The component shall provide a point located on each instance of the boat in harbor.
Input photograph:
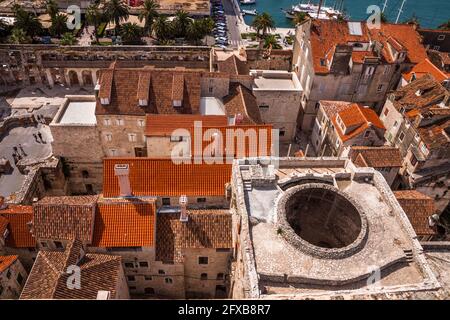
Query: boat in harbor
(248, 1)
(250, 12)
(319, 11)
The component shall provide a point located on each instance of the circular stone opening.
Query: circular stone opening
(323, 217)
(322, 221)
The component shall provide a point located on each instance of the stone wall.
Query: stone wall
(279, 59)
(10, 285)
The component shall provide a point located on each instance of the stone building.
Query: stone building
(386, 160)
(417, 121)
(12, 277)
(334, 219)
(419, 208)
(438, 40)
(100, 276)
(347, 61)
(426, 67)
(340, 125)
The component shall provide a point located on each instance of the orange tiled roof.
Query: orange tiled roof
(426, 67)
(162, 177)
(233, 65)
(376, 157)
(165, 124)
(418, 207)
(358, 118)
(124, 223)
(241, 101)
(18, 217)
(6, 261)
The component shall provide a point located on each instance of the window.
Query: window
(441, 37)
(395, 124)
(131, 278)
(58, 244)
(132, 137)
(413, 160)
(366, 134)
(387, 70)
(129, 265)
(401, 136)
(176, 138)
(8, 274)
(436, 48)
(380, 88)
(423, 148)
(132, 288)
(323, 62)
(220, 276)
(386, 112)
(44, 244)
(1, 290)
(104, 101)
(112, 152)
(160, 271)
(264, 106)
(177, 103)
(143, 264)
(417, 137)
(141, 123)
(201, 200)
(149, 291)
(210, 89)
(20, 278)
(108, 137)
(204, 276)
(107, 122)
(85, 174)
(166, 201)
(119, 122)
(168, 280)
(148, 278)
(202, 260)
(282, 132)
(337, 143)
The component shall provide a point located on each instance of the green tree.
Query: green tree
(180, 23)
(162, 28)
(263, 22)
(195, 31)
(27, 21)
(207, 25)
(130, 33)
(299, 17)
(68, 39)
(445, 26)
(59, 25)
(51, 7)
(116, 11)
(94, 17)
(19, 36)
(271, 41)
(149, 14)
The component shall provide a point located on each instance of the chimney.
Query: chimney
(122, 172)
(3, 204)
(103, 295)
(239, 118)
(183, 210)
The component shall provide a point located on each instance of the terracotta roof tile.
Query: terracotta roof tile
(178, 87)
(240, 100)
(6, 262)
(19, 217)
(418, 207)
(3, 225)
(144, 85)
(64, 218)
(162, 177)
(48, 277)
(126, 222)
(426, 67)
(233, 65)
(204, 229)
(376, 157)
(165, 124)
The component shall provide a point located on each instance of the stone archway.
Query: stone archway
(87, 78)
(73, 78)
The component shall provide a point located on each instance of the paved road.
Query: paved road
(233, 19)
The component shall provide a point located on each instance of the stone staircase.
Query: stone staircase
(409, 255)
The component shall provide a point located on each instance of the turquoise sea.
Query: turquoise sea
(430, 13)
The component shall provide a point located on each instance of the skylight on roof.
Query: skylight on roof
(355, 28)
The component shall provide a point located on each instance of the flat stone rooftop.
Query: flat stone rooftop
(275, 80)
(79, 112)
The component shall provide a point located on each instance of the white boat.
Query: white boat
(250, 12)
(313, 11)
(248, 1)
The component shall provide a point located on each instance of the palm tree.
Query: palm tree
(161, 27)
(68, 39)
(130, 33)
(26, 21)
(445, 26)
(149, 13)
(271, 41)
(181, 23)
(194, 31)
(207, 25)
(300, 17)
(51, 8)
(59, 25)
(263, 22)
(116, 11)
(94, 17)
(19, 36)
